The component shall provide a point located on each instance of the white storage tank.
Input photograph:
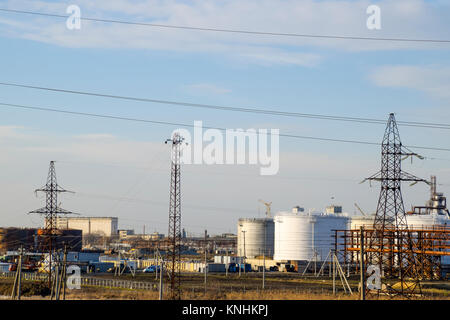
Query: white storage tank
(355, 222)
(429, 221)
(298, 234)
(251, 233)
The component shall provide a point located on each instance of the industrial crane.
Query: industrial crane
(267, 204)
(360, 210)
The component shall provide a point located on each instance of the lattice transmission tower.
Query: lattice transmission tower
(390, 244)
(50, 213)
(174, 235)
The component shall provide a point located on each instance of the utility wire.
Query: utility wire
(96, 115)
(235, 31)
(158, 203)
(234, 109)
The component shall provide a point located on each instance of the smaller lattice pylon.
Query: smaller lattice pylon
(50, 212)
(174, 235)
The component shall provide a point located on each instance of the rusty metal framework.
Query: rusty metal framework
(429, 245)
(390, 243)
(174, 235)
(50, 212)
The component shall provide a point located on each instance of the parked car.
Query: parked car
(123, 270)
(151, 269)
(234, 267)
(274, 268)
(245, 267)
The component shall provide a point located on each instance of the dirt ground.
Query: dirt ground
(278, 286)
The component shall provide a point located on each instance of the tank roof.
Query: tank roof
(309, 214)
(255, 219)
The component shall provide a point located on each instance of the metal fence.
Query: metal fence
(25, 276)
(90, 281)
(117, 283)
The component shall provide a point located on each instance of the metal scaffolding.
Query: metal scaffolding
(429, 245)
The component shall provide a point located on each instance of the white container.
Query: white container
(301, 236)
(251, 234)
(429, 221)
(356, 222)
(426, 221)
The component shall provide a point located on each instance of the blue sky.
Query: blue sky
(106, 157)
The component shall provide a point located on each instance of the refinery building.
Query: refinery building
(101, 226)
(296, 237)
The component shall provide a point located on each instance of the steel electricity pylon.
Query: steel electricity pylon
(174, 235)
(390, 245)
(50, 213)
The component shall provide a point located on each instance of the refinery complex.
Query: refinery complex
(236, 159)
(406, 247)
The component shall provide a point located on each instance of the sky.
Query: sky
(120, 168)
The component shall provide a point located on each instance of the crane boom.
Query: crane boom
(360, 210)
(268, 205)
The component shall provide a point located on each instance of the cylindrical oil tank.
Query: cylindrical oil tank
(306, 236)
(355, 222)
(427, 221)
(251, 233)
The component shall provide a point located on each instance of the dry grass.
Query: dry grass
(113, 294)
(281, 287)
(117, 294)
(110, 294)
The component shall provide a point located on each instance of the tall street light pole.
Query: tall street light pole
(243, 231)
(264, 255)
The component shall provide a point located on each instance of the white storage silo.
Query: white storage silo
(356, 222)
(251, 233)
(426, 221)
(298, 236)
(429, 221)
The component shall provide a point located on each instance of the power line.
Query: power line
(233, 109)
(170, 123)
(96, 115)
(158, 203)
(234, 31)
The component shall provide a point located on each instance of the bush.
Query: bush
(27, 289)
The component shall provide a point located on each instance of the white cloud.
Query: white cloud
(94, 164)
(95, 136)
(433, 80)
(98, 148)
(206, 88)
(10, 132)
(400, 18)
(284, 58)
